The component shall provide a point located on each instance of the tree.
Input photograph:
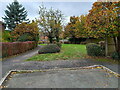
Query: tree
(101, 21)
(6, 36)
(80, 27)
(26, 32)
(117, 23)
(75, 29)
(70, 28)
(15, 14)
(50, 23)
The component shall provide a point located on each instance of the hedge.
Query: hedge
(51, 48)
(13, 48)
(94, 50)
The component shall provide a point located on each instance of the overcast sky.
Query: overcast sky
(67, 8)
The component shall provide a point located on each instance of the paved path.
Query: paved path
(18, 63)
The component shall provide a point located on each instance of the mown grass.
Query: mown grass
(68, 51)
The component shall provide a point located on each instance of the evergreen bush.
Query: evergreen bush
(115, 56)
(94, 50)
(51, 48)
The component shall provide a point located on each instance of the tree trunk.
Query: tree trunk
(116, 43)
(118, 39)
(106, 46)
(57, 39)
(51, 39)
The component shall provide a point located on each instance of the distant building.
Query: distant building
(2, 26)
(43, 38)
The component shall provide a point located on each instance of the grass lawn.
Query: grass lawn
(68, 51)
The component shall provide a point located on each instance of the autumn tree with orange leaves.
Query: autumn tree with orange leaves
(103, 21)
(26, 32)
(70, 28)
(75, 29)
(80, 27)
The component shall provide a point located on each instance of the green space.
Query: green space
(68, 51)
(93, 30)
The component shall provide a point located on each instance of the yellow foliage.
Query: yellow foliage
(102, 17)
(23, 28)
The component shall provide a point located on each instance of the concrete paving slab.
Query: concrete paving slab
(79, 78)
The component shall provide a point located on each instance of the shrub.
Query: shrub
(59, 44)
(66, 42)
(24, 30)
(51, 48)
(25, 37)
(94, 50)
(115, 56)
(76, 40)
(6, 37)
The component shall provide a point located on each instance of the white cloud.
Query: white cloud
(67, 19)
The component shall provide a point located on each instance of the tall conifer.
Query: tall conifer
(15, 14)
